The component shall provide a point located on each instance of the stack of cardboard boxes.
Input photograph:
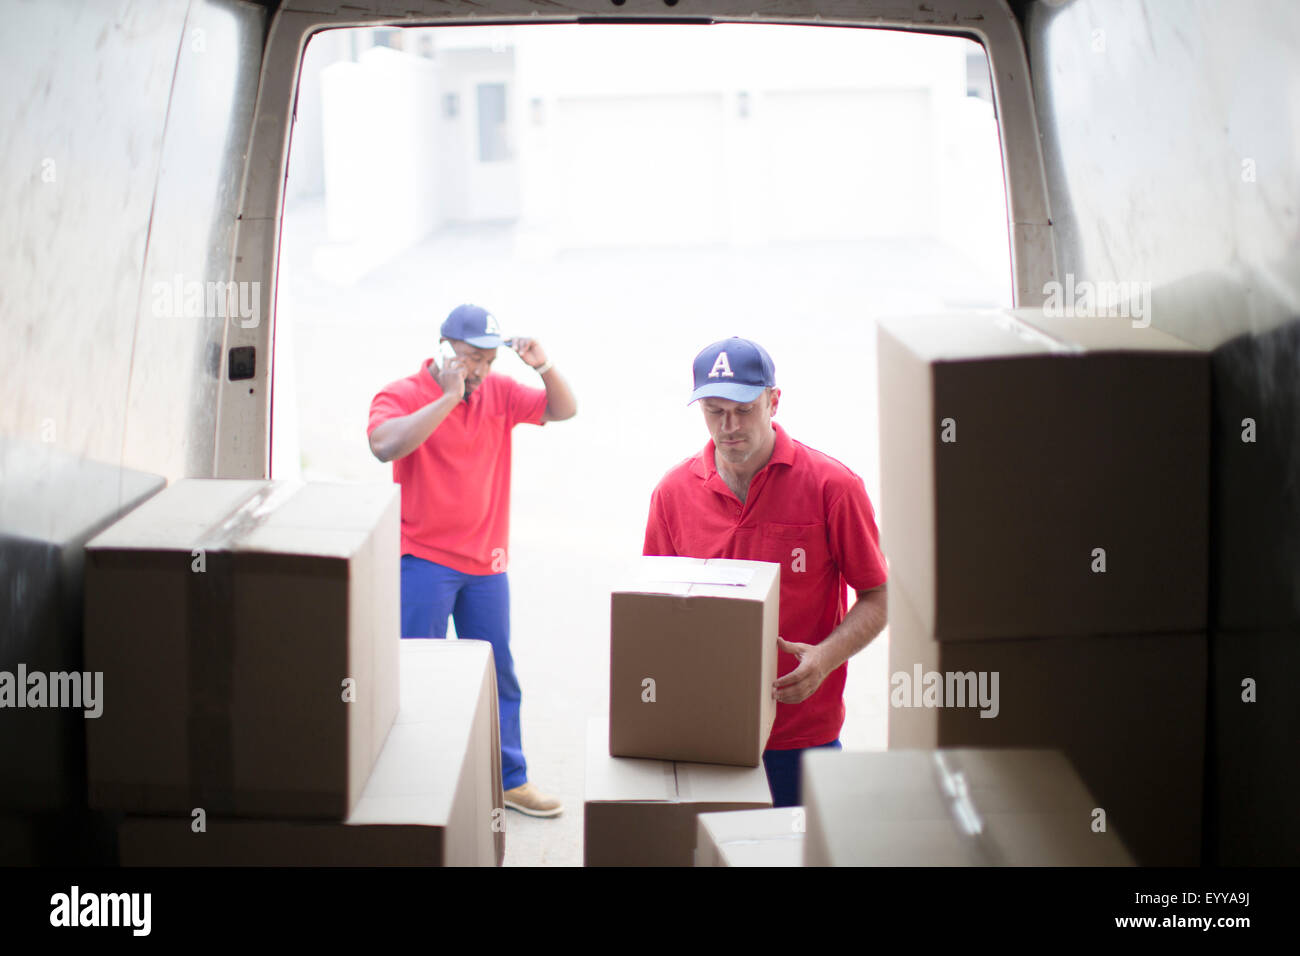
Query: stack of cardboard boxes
(692, 661)
(1251, 814)
(1045, 498)
(53, 503)
(248, 634)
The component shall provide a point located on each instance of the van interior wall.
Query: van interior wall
(1171, 140)
(125, 129)
(1172, 148)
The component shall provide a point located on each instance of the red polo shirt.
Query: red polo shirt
(456, 486)
(804, 511)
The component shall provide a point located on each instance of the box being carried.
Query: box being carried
(248, 634)
(692, 660)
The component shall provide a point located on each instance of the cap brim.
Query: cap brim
(731, 390)
(485, 341)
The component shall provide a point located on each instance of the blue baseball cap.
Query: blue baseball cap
(473, 324)
(734, 368)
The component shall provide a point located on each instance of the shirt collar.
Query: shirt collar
(426, 374)
(704, 464)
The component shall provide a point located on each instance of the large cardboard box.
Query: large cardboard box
(51, 504)
(771, 837)
(74, 837)
(1021, 455)
(248, 635)
(692, 660)
(433, 799)
(1128, 711)
(642, 812)
(1252, 816)
(961, 807)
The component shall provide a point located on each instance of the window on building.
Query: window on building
(493, 146)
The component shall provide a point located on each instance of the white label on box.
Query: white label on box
(726, 577)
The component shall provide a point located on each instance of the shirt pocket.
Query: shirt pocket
(800, 549)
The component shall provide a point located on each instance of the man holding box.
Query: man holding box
(447, 432)
(756, 494)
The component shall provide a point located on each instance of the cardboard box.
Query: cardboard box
(1018, 452)
(692, 660)
(1256, 497)
(642, 812)
(65, 838)
(1128, 711)
(959, 807)
(248, 634)
(1251, 813)
(750, 838)
(433, 799)
(51, 504)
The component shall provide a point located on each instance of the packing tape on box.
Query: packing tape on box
(213, 632)
(759, 841)
(956, 792)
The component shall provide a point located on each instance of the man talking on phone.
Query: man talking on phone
(447, 431)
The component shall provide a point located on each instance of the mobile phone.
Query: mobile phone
(445, 353)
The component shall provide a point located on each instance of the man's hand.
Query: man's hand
(530, 350)
(560, 403)
(451, 378)
(802, 682)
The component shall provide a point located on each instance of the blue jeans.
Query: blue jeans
(480, 605)
(782, 768)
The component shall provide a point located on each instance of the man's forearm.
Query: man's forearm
(859, 628)
(398, 437)
(560, 403)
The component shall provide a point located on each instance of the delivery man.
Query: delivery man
(755, 493)
(446, 429)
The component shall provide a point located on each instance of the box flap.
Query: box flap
(715, 783)
(281, 517)
(178, 516)
(1103, 333)
(415, 778)
(754, 826)
(712, 577)
(624, 779)
(968, 336)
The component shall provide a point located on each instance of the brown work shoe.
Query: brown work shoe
(528, 799)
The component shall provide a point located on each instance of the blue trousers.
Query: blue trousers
(480, 605)
(782, 768)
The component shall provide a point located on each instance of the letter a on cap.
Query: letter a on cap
(722, 367)
(490, 326)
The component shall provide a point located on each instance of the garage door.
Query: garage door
(638, 170)
(845, 164)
